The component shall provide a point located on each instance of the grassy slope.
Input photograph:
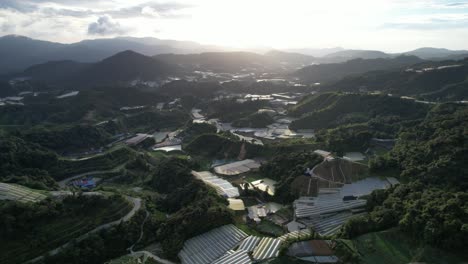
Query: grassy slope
(393, 247)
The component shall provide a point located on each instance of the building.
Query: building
(236, 204)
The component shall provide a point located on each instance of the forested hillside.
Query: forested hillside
(333, 109)
(432, 81)
(335, 71)
(432, 208)
(435, 150)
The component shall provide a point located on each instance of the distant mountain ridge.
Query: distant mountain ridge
(315, 52)
(444, 80)
(19, 52)
(428, 53)
(336, 71)
(124, 66)
(238, 61)
(363, 54)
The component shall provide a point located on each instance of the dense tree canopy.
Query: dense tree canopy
(329, 110)
(431, 215)
(435, 150)
(433, 206)
(25, 163)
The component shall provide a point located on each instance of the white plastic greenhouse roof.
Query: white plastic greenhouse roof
(211, 245)
(221, 186)
(267, 248)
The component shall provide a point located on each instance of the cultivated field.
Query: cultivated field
(19, 193)
(335, 173)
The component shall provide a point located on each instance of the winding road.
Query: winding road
(141, 232)
(136, 206)
(144, 252)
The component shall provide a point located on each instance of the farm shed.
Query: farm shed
(236, 204)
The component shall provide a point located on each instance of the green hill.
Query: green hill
(412, 82)
(122, 67)
(333, 109)
(336, 71)
(256, 120)
(30, 230)
(221, 146)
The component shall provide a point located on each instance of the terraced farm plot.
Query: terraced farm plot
(19, 193)
(335, 173)
(110, 161)
(50, 232)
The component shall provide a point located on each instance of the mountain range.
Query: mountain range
(124, 66)
(19, 53)
(336, 71)
(433, 81)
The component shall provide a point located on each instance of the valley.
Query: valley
(235, 157)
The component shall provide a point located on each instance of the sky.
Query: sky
(387, 25)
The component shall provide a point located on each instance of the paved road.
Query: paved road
(136, 206)
(142, 232)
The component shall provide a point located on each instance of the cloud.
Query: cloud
(430, 22)
(17, 5)
(457, 5)
(149, 11)
(155, 9)
(105, 25)
(82, 8)
(7, 27)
